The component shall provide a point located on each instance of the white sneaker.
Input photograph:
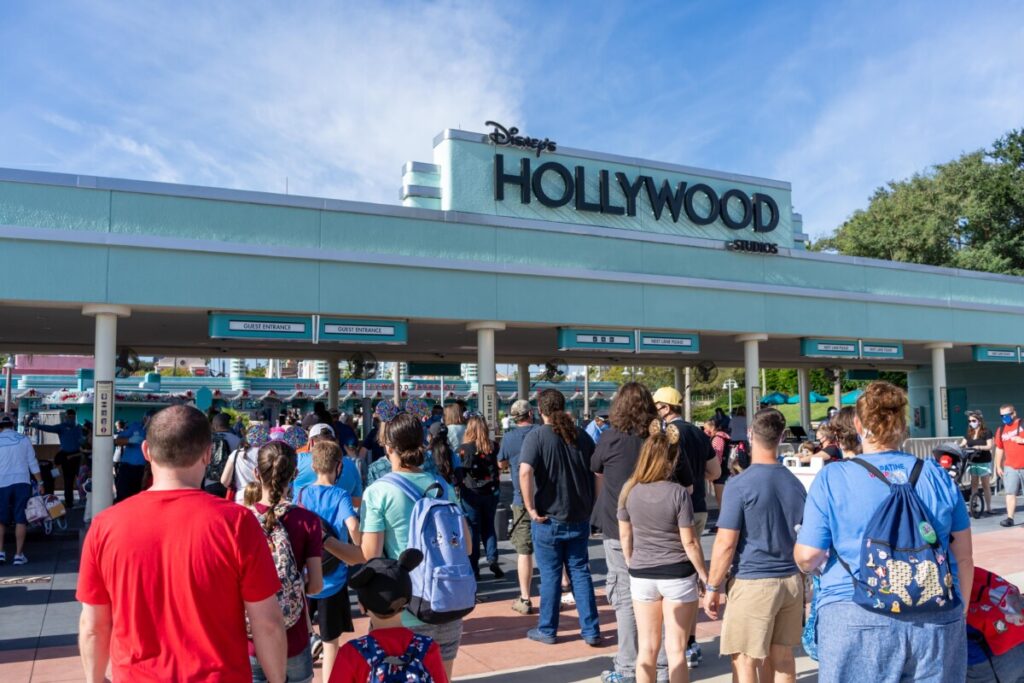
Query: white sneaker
(694, 656)
(568, 600)
(20, 559)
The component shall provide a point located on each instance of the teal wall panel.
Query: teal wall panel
(988, 386)
(680, 261)
(888, 321)
(213, 281)
(392, 292)
(568, 251)
(569, 302)
(60, 208)
(834, 318)
(144, 214)
(388, 235)
(696, 309)
(43, 271)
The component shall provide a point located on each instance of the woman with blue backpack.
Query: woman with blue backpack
(410, 508)
(891, 537)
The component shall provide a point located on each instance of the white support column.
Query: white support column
(523, 381)
(586, 392)
(687, 394)
(803, 383)
(105, 358)
(397, 376)
(940, 421)
(751, 363)
(485, 369)
(333, 383)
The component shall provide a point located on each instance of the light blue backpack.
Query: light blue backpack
(443, 585)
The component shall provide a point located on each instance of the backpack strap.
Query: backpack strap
(369, 649)
(402, 485)
(418, 647)
(915, 472)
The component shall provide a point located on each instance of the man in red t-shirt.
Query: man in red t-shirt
(168, 576)
(1009, 460)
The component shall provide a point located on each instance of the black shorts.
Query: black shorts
(333, 615)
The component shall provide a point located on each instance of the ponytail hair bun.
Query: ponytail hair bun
(882, 410)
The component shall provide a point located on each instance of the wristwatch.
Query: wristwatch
(711, 588)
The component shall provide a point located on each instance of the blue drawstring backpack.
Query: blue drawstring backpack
(809, 638)
(904, 567)
(409, 668)
(443, 585)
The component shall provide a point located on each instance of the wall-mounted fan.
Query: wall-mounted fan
(706, 372)
(362, 365)
(127, 362)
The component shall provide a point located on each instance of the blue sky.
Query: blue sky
(835, 97)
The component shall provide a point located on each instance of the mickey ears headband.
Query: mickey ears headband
(671, 431)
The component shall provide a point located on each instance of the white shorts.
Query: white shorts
(653, 590)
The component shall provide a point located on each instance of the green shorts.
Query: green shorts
(980, 469)
(521, 538)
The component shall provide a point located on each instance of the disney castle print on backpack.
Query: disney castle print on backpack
(443, 585)
(904, 567)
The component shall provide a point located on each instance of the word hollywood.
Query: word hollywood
(511, 137)
(734, 208)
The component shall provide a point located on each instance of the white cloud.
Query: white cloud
(334, 100)
(948, 91)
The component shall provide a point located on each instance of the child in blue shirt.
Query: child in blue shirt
(333, 611)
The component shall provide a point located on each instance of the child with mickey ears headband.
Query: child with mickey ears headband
(390, 652)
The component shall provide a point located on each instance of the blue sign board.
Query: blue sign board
(259, 326)
(829, 348)
(881, 350)
(663, 342)
(363, 331)
(602, 340)
(996, 354)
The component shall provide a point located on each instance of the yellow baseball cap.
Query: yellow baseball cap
(669, 396)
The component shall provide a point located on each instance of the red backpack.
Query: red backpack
(997, 611)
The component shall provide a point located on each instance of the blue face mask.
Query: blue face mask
(1007, 419)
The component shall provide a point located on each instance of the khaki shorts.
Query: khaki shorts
(521, 538)
(760, 613)
(700, 520)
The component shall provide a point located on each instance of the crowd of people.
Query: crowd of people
(233, 556)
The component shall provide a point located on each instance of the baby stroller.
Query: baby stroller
(957, 462)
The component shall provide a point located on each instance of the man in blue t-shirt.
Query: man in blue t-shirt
(132, 468)
(597, 427)
(762, 509)
(68, 458)
(508, 457)
(331, 606)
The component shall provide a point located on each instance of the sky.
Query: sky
(331, 98)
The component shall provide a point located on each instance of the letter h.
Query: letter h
(501, 178)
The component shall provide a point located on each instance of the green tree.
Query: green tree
(967, 213)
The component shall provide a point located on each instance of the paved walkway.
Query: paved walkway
(39, 619)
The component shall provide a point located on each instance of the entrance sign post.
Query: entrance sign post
(485, 370)
(333, 383)
(105, 356)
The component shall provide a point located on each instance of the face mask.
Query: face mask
(973, 423)
(1007, 419)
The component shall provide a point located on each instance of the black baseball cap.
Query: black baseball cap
(383, 586)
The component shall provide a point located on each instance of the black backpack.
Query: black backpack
(218, 459)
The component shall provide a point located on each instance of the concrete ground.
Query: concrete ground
(39, 619)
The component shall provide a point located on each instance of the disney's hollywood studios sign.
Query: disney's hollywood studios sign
(734, 207)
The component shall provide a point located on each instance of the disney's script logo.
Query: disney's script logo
(511, 137)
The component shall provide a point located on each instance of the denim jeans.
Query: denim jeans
(480, 510)
(860, 646)
(299, 668)
(620, 596)
(556, 545)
